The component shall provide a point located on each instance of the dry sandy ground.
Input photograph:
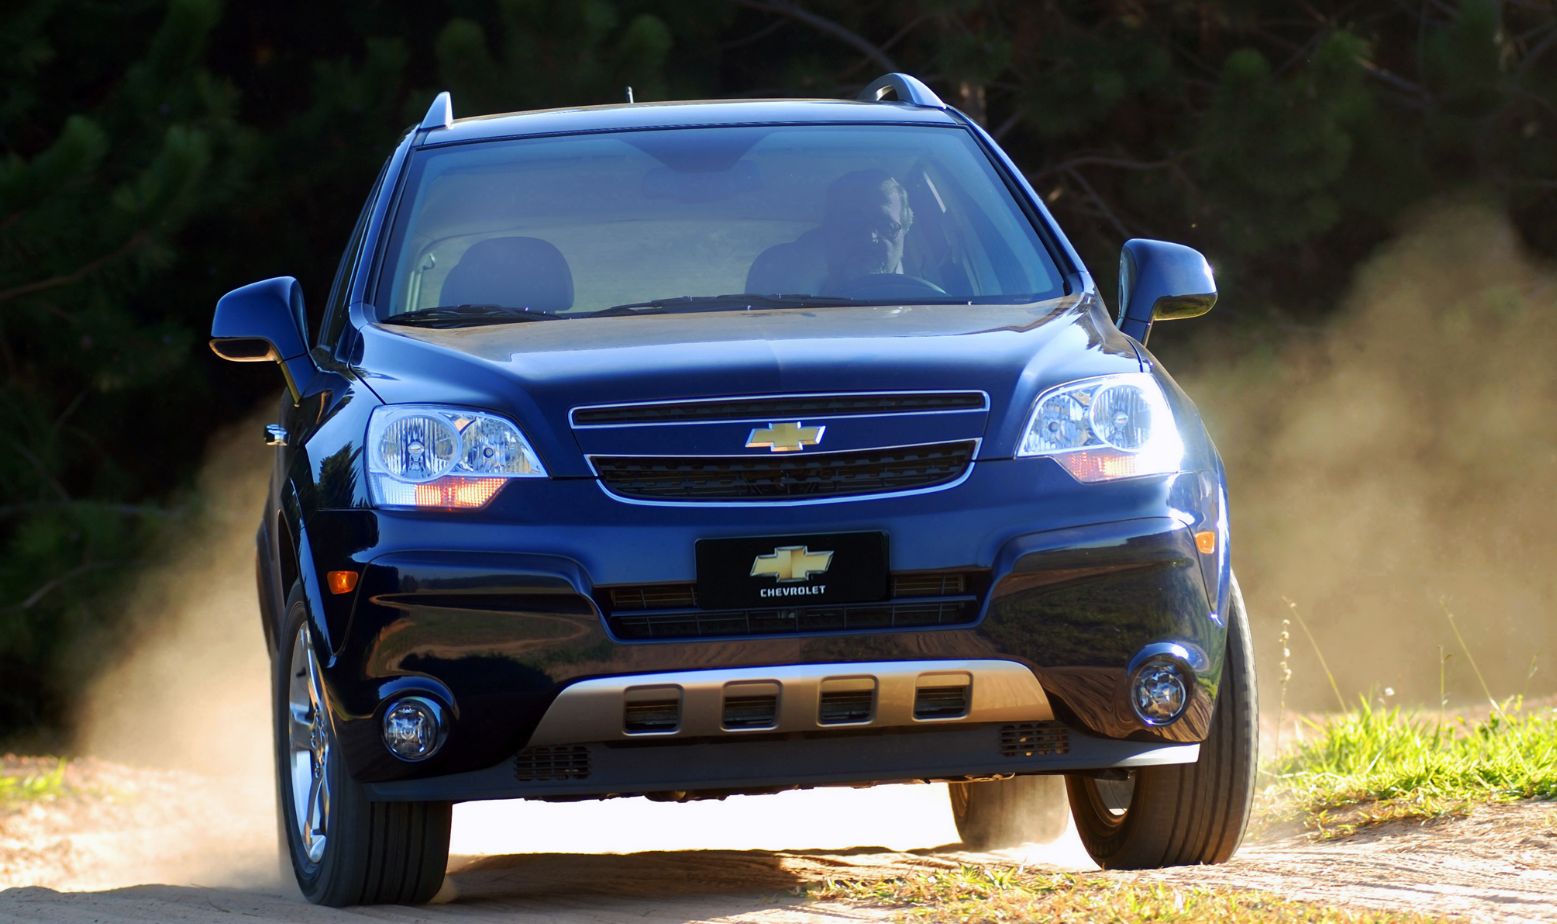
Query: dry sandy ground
(135, 845)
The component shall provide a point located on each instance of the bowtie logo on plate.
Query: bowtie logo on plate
(791, 563)
(784, 437)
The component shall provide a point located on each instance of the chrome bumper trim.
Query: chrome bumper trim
(593, 711)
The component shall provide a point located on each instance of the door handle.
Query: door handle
(275, 435)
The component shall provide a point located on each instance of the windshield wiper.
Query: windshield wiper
(469, 316)
(717, 302)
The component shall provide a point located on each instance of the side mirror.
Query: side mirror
(261, 323)
(1159, 281)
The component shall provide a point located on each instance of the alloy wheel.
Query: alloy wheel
(309, 737)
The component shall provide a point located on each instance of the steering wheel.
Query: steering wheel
(889, 285)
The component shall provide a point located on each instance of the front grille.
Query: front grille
(1033, 739)
(930, 584)
(651, 597)
(919, 599)
(795, 621)
(795, 407)
(563, 762)
(905, 584)
(823, 474)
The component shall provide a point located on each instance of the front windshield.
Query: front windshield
(709, 219)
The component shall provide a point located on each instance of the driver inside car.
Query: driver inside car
(865, 222)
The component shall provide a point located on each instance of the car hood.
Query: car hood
(538, 371)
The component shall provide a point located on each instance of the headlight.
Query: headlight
(1113, 426)
(427, 457)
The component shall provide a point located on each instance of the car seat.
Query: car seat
(797, 267)
(520, 272)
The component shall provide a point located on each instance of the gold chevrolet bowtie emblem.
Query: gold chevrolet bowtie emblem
(791, 563)
(784, 437)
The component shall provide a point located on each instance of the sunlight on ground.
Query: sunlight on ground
(911, 817)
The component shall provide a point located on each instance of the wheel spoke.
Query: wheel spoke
(315, 804)
(322, 822)
(315, 685)
(299, 730)
(308, 738)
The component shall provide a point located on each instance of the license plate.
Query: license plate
(783, 571)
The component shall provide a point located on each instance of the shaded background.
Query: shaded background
(1375, 184)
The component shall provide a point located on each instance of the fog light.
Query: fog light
(414, 728)
(1158, 693)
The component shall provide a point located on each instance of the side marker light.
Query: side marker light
(1205, 541)
(341, 582)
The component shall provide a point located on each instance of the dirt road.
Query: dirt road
(131, 845)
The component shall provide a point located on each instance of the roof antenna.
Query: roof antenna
(629, 94)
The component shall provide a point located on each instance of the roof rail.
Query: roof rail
(440, 114)
(906, 88)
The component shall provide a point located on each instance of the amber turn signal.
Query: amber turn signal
(341, 582)
(1205, 541)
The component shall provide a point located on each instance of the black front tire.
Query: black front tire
(374, 852)
(1187, 813)
(1005, 813)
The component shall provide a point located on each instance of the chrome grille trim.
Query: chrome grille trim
(782, 405)
(967, 472)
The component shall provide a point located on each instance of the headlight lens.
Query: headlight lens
(430, 457)
(1102, 429)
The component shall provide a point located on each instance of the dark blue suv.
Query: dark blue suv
(689, 449)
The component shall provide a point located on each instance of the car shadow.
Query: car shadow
(676, 872)
(768, 886)
(700, 883)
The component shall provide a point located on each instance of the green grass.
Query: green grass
(1374, 764)
(1004, 893)
(29, 787)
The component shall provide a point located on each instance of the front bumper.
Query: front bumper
(776, 763)
(498, 636)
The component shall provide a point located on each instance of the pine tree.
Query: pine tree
(103, 166)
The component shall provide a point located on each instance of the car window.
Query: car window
(580, 223)
(340, 287)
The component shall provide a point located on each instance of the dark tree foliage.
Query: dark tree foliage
(155, 154)
(1282, 139)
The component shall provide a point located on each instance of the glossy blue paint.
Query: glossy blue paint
(1161, 281)
(492, 612)
(264, 322)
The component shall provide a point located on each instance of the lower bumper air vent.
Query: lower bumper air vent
(747, 712)
(650, 711)
(920, 600)
(847, 701)
(795, 621)
(563, 762)
(948, 702)
(1033, 739)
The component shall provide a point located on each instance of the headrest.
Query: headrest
(521, 272)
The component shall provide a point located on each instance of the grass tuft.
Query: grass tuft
(1005, 893)
(30, 787)
(1376, 764)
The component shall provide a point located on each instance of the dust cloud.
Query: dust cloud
(190, 694)
(1399, 465)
